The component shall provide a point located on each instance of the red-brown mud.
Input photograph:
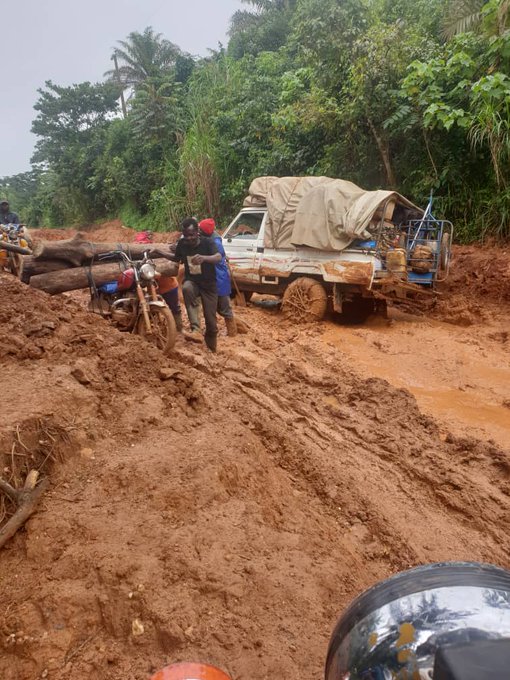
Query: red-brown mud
(234, 504)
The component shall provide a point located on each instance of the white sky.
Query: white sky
(70, 42)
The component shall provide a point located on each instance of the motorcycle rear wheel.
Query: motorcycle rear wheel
(164, 331)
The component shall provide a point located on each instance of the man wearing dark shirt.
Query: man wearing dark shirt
(199, 256)
(7, 217)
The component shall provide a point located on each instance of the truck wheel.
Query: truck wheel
(305, 300)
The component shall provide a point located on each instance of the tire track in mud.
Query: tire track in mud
(400, 459)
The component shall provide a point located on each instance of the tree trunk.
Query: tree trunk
(78, 251)
(78, 277)
(384, 150)
(33, 267)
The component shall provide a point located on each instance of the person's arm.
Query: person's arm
(173, 257)
(213, 258)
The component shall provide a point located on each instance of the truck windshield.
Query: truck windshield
(247, 226)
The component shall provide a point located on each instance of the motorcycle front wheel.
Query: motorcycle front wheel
(164, 331)
(15, 264)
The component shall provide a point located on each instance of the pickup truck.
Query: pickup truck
(359, 279)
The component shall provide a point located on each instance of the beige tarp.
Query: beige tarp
(319, 212)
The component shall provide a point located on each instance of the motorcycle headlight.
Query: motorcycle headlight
(148, 271)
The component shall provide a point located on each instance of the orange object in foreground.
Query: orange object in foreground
(190, 671)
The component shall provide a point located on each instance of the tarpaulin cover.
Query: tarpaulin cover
(318, 212)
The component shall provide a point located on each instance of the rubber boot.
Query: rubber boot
(194, 317)
(211, 342)
(231, 327)
(178, 321)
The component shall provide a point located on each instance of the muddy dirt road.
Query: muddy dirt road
(227, 508)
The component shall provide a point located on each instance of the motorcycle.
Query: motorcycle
(15, 235)
(446, 621)
(132, 302)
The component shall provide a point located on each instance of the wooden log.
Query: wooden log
(78, 277)
(33, 267)
(5, 245)
(26, 499)
(79, 251)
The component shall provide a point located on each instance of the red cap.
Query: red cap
(207, 226)
(190, 671)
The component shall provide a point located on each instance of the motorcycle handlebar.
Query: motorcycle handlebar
(122, 255)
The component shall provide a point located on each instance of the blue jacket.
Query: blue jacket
(222, 273)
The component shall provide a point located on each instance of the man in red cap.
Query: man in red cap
(223, 283)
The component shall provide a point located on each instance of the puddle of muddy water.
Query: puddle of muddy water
(466, 407)
(451, 379)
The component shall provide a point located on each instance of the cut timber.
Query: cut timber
(5, 245)
(78, 277)
(33, 267)
(78, 250)
(26, 499)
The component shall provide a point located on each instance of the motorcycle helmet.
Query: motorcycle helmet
(422, 624)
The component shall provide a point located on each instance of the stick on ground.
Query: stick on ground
(26, 499)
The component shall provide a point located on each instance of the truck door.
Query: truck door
(241, 242)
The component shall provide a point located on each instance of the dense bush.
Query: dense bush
(407, 94)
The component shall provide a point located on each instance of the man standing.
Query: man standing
(7, 217)
(223, 284)
(200, 257)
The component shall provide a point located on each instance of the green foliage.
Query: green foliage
(461, 99)
(21, 190)
(144, 56)
(265, 29)
(411, 94)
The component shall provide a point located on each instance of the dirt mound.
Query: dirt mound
(106, 232)
(69, 365)
(223, 509)
(477, 287)
(52, 234)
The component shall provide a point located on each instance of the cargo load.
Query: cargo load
(323, 213)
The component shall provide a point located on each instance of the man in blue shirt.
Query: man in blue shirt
(6, 216)
(223, 283)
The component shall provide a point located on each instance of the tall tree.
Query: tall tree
(144, 56)
(265, 28)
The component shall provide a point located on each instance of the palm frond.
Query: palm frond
(462, 16)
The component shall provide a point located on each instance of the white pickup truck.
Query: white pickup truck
(359, 278)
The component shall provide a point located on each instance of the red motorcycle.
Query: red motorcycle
(132, 302)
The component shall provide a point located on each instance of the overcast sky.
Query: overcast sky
(70, 42)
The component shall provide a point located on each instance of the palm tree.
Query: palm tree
(143, 56)
(462, 16)
(468, 15)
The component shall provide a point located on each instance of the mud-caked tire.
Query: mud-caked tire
(305, 300)
(164, 329)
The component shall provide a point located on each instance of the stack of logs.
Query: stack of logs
(59, 266)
